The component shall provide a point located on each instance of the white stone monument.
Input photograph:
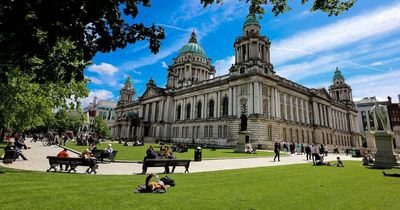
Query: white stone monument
(385, 157)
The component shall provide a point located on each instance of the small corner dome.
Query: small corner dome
(251, 19)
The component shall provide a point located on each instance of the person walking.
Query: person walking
(308, 152)
(277, 148)
(313, 152)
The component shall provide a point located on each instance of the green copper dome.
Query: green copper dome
(192, 47)
(338, 75)
(251, 19)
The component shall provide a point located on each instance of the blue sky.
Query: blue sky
(364, 43)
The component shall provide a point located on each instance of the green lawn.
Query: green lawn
(137, 153)
(2, 145)
(283, 187)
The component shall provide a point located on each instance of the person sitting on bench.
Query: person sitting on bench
(109, 151)
(63, 154)
(150, 153)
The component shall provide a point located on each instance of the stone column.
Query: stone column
(298, 118)
(230, 99)
(235, 102)
(260, 100)
(251, 99)
(257, 98)
(273, 103)
(291, 108)
(285, 106)
(206, 115)
(183, 107)
(316, 113)
(218, 104)
(193, 108)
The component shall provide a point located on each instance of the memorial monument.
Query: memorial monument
(243, 144)
(385, 157)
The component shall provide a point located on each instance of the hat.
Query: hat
(109, 145)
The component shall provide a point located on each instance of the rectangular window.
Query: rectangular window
(198, 132)
(211, 132)
(219, 131)
(225, 131)
(205, 131)
(187, 132)
(270, 132)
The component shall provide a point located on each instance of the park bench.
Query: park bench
(100, 154)
(9, 156)
(72, 162)
(166, 163)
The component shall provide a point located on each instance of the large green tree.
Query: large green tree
(67, 120)
(26, 104)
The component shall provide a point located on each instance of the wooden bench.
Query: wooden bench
(9, 156)
(100, 154)
(166, 163)
(72, 162)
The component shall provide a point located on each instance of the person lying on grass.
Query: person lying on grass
(394, 174)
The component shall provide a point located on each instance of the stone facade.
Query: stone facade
(198, 107)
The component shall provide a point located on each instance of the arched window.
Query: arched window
(225, 104)
(178, 112)
(211, 108)
(188, 107)
(199, 109)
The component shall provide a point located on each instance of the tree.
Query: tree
(26, 104)
(31, 28)
(68, 120)
(100, 127)
(332, 7)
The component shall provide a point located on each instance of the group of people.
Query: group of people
(165, 152)
(179, 148)
(17, 144)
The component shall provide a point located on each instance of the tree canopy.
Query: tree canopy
(332, 7)
(31, 28)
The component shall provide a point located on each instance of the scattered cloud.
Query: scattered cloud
(94, 80)
(100, 94)
(103, 69)
(341, 33)
(376, 64)
(164, 65)
(222, 66)
(174, 27)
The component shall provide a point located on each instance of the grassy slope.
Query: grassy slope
(2, 145)
(283, 187)
(137, 153)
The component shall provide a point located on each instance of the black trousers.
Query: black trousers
(277, 155)
(308, 156)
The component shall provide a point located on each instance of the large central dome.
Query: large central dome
(192, 47)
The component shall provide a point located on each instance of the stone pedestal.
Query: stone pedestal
(243, 139)
(385, 157)
(396, 130)
(370, 138)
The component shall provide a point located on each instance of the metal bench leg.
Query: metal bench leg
(187, 170)
(173, 169)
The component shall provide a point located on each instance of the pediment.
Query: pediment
(322, 92)
(151, 92)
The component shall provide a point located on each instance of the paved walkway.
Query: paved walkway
(37, 161)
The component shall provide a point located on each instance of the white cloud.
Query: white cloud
(376, 64)
(94, 80)
(342, 33)
(103, 69)
(164, 65)
(379, 85)
(222, 66)
(100, 94)
(174, 27)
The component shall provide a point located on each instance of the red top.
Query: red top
(63, 154)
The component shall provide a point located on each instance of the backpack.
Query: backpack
(168, 181)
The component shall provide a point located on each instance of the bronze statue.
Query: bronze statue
(243, 124)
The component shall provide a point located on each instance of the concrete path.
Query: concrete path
(37, 161)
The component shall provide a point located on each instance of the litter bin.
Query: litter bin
(197, 153)
(355, 152)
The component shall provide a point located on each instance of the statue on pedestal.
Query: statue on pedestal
(243, 122)
(379, 114)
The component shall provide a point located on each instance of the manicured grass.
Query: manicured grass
(137, 153)
(283, 187)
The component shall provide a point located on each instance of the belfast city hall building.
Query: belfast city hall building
(195, 106)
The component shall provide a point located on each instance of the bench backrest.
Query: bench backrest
(166, 162)
(69, 160)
